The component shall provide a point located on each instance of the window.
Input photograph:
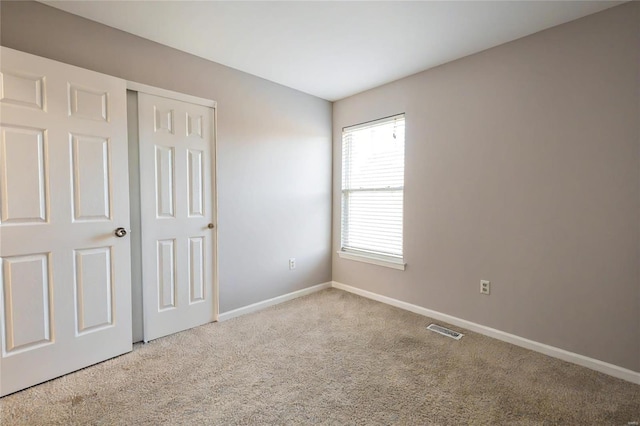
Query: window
(373, 192)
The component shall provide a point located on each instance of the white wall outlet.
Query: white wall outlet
(485, 287)
(292, 263)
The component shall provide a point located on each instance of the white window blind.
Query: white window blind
(373, 188)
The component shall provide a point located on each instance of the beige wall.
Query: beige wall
(274, 148)
(523, 168)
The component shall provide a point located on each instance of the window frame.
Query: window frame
(363, 255)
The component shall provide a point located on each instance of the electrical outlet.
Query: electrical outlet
(485, 287)
(292, 263)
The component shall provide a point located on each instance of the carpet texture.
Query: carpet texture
(328, 358)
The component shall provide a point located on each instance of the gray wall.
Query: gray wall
(274, 148)
(523, 168)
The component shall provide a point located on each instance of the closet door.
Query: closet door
(65, 279)
(177, 215)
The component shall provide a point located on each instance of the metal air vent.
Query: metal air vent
(445, 331)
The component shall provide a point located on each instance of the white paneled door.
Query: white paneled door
(177, 215)
(65, 276)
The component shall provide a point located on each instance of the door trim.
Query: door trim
(157, 91)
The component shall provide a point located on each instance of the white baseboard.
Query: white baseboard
(594, 364)
(270, 302)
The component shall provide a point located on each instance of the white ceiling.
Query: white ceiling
(332, 49)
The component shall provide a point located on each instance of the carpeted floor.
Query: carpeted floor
(328, 358)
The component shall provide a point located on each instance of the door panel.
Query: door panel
(166, 275)
(22, 89)
(23, 193)
(91, 178)
(94, 289)
(88, 103)
(165, 187)
(27, 302)
(177, 193)
(195, 183)
(65, 295)
(196, 269)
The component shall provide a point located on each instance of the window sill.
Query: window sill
(374, 260)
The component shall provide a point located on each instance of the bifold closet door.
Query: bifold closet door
(65, 279)
(177, 215)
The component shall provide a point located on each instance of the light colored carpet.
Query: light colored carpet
(328, 358)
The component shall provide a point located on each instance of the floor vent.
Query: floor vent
(445, 331)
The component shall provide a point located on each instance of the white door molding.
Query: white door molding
(164, 93)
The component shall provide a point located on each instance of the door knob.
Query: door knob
(210, 226)
(120, 232)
